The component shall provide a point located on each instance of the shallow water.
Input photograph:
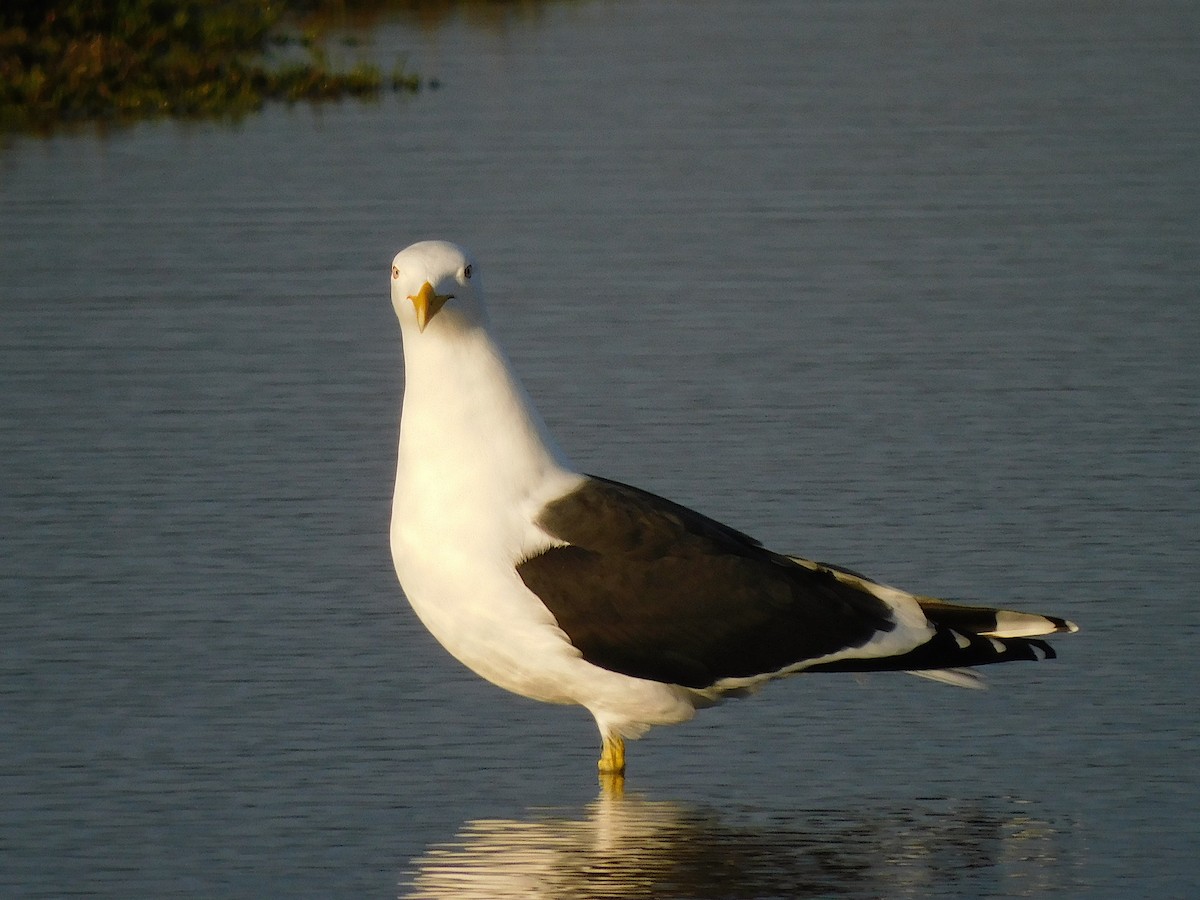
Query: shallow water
(908, 287)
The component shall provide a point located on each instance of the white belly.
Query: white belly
(500, 630)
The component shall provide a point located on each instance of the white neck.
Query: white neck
(469, 435)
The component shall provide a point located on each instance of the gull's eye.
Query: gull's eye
(395, 272)
(467, 272)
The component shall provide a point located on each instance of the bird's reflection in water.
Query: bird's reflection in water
(629, 846)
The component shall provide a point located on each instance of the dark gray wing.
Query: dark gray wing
(652, 589)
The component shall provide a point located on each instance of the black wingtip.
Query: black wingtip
(949, 649)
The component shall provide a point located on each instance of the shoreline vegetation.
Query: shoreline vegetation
(120, 61)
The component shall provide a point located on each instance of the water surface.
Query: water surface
(909, 287)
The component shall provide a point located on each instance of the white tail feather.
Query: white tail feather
(1016, 624)
(963, 678)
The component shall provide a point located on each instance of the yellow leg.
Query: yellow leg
(612, 757)
(612, 785)
(612, 767)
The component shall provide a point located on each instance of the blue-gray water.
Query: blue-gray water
(911, 287)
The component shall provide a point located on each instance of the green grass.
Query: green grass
(122, 60)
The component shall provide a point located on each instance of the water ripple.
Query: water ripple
(636, 847)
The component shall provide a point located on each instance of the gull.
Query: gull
(575, 589)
